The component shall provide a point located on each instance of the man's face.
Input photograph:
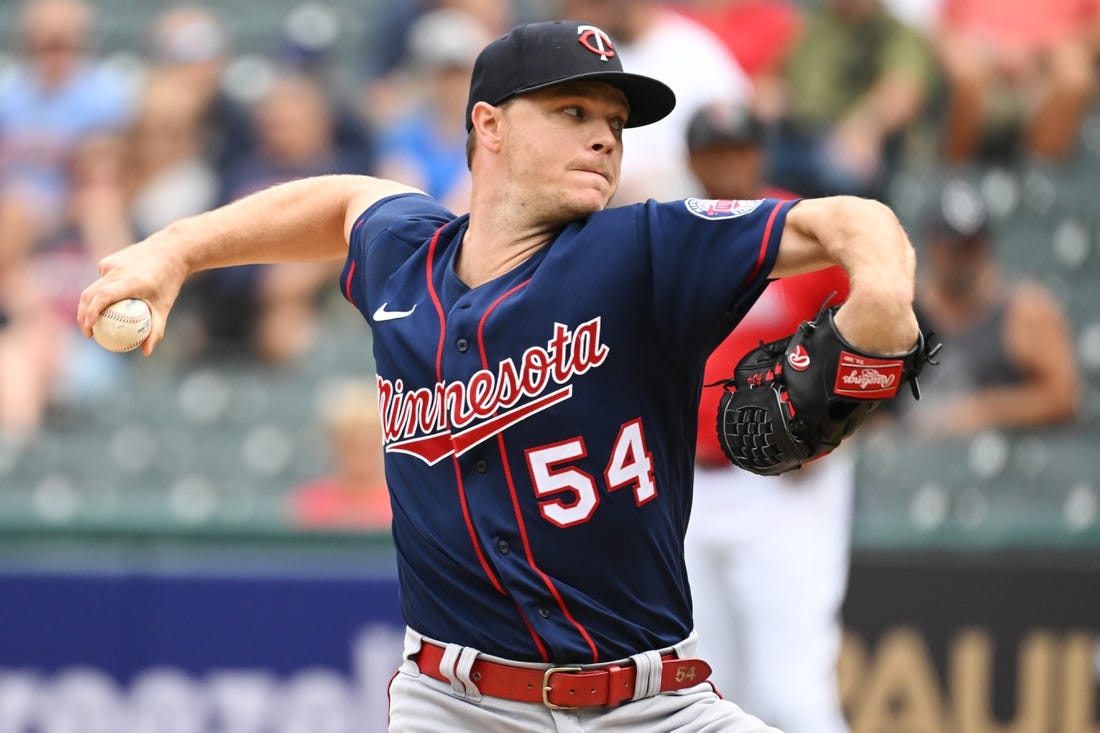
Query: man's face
(563, 147)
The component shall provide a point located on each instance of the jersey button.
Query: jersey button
(503, 548)
(544, 612)
(462, 345)
(482, 466)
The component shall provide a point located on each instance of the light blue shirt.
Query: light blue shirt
(39, 129)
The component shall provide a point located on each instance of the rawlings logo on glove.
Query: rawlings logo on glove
(798, 398)
(865, 378)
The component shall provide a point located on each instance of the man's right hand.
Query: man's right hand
(149, 271)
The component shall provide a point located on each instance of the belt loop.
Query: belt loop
(447, 668)
(647, 682)
(686, 648)
(463, 672)
(414, 641)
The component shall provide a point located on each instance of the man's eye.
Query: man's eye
(574, 112)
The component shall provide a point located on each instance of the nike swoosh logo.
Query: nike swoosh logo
(384, 315)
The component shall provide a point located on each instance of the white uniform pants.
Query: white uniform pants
(768, 565)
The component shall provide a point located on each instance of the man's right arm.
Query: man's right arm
(304, 220)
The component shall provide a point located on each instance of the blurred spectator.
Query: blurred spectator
(354, 493)
(307, 47)
(759, 33)
(767, 557)
(386, 97)
(426, 147)
(270, 311)
(855, 81)
(28, 352)
(293, 122)
(308, 41)
(1030, 63)
(658, 42)
(51, 100)
(1008, 359)
(44, 358)
(168, 176)
(190, 44)
(391, 26)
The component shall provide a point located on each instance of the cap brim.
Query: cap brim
(650, 100)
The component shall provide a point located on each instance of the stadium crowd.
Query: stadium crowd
(95, 153)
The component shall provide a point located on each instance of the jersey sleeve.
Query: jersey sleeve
(384, 236)
(710, 262)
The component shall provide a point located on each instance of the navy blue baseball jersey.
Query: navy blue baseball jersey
(540, 428)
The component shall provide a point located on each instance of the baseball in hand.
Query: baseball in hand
(123, 326)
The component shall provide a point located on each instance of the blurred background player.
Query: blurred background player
(767, 557)
(353, 494)
(1008, 359)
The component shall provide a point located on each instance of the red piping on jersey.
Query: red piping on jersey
(764, 244)
(439, 378)
(530, 630)
(347, 284)
(515, 501)
(438, 305)
(351, 268)
(531, 560)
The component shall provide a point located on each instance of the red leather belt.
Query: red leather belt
(564, 687)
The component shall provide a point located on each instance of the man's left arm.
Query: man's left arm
(867, 240)
(792, 401)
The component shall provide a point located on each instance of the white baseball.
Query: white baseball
(123, 326)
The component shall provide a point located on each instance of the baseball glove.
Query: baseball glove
(794, 400)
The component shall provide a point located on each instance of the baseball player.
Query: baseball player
(539, 364)
(767, 556)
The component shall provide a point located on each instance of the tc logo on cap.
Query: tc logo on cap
(596, 41)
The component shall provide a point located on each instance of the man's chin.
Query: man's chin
(583, 212)
(591, 203)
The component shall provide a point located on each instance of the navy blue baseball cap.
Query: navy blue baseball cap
(539, 55)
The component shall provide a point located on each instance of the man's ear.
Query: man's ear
(487, 121)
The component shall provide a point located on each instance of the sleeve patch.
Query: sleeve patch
(717, 209)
